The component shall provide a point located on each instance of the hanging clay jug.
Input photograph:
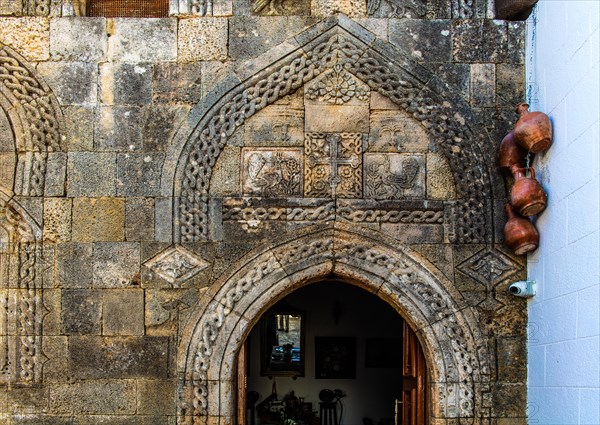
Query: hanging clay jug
(527, 195)
(520, 234)
(533, 131)
(511, 153)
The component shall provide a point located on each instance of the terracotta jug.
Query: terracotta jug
(511, 153)
(527, 195)
(520, 234)
(533, 131)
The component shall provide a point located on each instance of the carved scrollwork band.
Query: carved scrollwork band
(39, 115)
(452, 330)
(435, 113)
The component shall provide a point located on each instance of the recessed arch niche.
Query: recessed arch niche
(447, 328)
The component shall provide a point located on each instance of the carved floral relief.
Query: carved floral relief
(272, 172)
(394, 176)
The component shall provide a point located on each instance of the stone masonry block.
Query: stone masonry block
(74, 265)
(79, 128)
(10, 8)
(123, 312)
(176, 83)
(139, 219)
(93, 397)
(125, 84)
(57, 219)
(81, 312)
(159, 124)
(118, 357)
(483, 84)
(351, 8)
(98, 219)
(139, 174)
(118, 128)
(143, 40)
(157, 396)
(116, 264)
(55, 350)
(73, 83)
(76, 39)
(56, 171)
(426, 40)
(202, 39)
(510, 84)
(29, 36)
(91, 174)
(479, 41)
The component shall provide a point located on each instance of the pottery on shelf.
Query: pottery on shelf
(533, 130)
(520, 235)
(511, 153)
(527, 195)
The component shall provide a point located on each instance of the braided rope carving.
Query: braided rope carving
(436, 114)
(40, 116)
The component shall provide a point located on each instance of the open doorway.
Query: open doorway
(331, 353)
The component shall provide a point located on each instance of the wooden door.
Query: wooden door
(242, 384)
(414, 380)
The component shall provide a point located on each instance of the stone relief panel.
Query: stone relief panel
(338, 87)
(276, 125)
(394, 176)
(333, 165)
(280, 7)
(176, 265)
(396, 131)
(272, 172)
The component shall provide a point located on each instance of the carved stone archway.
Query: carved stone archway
(447, 327)
(340, 42)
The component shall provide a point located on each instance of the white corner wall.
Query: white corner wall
(564, 347)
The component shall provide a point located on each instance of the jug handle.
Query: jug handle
(532, 171)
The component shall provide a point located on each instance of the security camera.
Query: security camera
(523, 289)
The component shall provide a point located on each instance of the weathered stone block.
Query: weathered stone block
(275, 125)
(177, 83)
(27, 399)
(40, 419)
(93, 397)
(118, 357)
(75, 39)
(396, 131)
(81, 312)
(479, 41)
(516, 42)
(56, 170)
(91, 174)
(79, 128)
(55, 350)
(29, 36)
(159, 125)
(202, 39)
(118, 128)
(510, 84)
(74, 265)
(57, 219)
(337, 118)
(166, 309)
(143, 40)
(73, 83)
(139, 174)
(426, 40)
(125, 84)
(157, 397)
(98, 219)
(226, 174)
(483, 84)
(512, 360)
(10, 8)
(116, 264)
(123, 312)
(351, 8)
(440, 181)
(139, 219)
(410, 9)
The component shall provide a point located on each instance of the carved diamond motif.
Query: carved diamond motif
(176, 264)
(489, 266)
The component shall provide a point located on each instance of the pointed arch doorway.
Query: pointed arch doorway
(346, 342)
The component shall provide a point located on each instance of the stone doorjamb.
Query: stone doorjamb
(448, 329)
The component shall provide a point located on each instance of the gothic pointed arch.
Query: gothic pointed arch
(341, 44)
(448, 329)
(35, 120)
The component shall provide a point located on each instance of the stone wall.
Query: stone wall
(165, 180)
(564, 378)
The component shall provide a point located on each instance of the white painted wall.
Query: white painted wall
(564, 348)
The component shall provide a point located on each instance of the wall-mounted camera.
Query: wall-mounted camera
(523, 289)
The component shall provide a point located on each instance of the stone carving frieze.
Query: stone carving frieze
(330, 167)
(394, 176)
(272, 172)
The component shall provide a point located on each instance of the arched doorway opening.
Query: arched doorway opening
(332, 353)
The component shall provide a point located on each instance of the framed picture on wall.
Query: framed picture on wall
(335, 357)
(383, 352)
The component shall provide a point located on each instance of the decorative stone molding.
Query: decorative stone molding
(383, 69)
(35, 119)
(449, 331)
(21, 308)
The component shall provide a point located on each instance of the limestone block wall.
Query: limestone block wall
(564, 378)
(103, 160)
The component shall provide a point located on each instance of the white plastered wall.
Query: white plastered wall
(564, 348)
